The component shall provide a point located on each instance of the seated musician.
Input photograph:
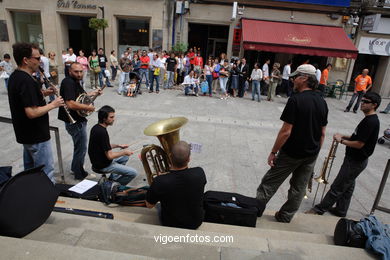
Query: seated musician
(189, 84)
(180, 191)
(101, 153)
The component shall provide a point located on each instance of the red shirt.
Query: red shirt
(198, 61)
(144, 59)
(191, 55)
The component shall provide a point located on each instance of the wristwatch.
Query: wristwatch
(341, 141)
(274, 153)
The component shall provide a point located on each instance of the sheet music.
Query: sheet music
(83, 186)
(196, 148)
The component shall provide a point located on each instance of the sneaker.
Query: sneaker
(90, 176)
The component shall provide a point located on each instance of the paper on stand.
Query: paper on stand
(83, 186)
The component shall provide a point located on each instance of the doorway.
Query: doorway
(212, 40)
(80, 36)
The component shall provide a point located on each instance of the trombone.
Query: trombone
(325, 171)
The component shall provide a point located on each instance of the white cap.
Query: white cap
(304, 69)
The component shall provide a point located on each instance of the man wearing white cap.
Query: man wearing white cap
(298, 143)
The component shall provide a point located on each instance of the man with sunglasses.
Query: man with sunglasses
(359, 146)
(298, 143)
(29, 110)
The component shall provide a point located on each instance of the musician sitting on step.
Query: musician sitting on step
(101, 154)
(180, 191)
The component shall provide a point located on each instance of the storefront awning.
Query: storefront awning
(296, 38)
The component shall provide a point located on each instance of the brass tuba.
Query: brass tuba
(167, 131)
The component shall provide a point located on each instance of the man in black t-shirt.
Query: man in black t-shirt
(70, 89)
(298, 143)
(180, 191)
(29, 110)
(103, 67)
(102, 157)
(359, 146)
(171, 64)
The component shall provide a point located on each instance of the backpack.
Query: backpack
(348, 233)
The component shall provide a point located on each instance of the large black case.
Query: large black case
(91, 194)
(246, 215)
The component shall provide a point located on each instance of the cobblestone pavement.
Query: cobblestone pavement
(236, 136)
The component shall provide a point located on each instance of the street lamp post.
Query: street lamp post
(104, 29)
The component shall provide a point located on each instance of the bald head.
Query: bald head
(181, 152)
(365, 72)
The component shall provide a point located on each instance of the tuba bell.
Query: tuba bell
(156, 160)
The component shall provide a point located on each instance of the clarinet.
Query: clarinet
(72, 121)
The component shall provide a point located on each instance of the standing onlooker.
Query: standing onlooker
(266, 79)
(114, 65)
(187, 64)
(234, 79)
(155, 71)
(180, 69)
(297, 145)
(243, 71)
(103, 67)
(256, 77)
(191, 58)
(198, 63)
(53, 68)
(216, 68)
(171, 68)
(94, 69)
(318, 72)
(84, 62)
(275, 79)
(324, 79)
(136, 63)
(163, 65)
(208, 71)
(363, 83)
(359, 146)
(69, 59)
(7, 68)
(124, 78)
(64, 56)
(29, 111)
(46, 70)
(286, 83)
(144, 70)
(223, 78)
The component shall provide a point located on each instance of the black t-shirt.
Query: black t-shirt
(181, 197)
(102, 60)
(171, 63)
(70, 89)
(367, 132)
(99, 144)
(24, 91)
(308, 113)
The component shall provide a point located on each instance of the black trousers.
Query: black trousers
(342, 187)
(241, 86)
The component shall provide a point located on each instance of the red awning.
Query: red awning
(284, 37)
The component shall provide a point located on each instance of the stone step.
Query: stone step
(13, 248)
(139, 239)
(303, 223)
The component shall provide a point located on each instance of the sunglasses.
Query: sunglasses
(37, 58)
(366, 101)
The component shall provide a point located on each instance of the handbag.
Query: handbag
(53, 73)
(97, 69)
(4, 75)
(156, 72)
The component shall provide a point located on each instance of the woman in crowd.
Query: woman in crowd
(234, 78)
(274, 81)
(53, 67)
(216, 68)
(180, 69)
(114, 65)
(223, 58)
(84, 62)
(162, 58)
(208, 72)
(94, 69)
(136, 63)
(223, 78)
(256, 76)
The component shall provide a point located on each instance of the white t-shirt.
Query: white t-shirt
(45, 66)
(71, 58)
(188, 80)
(257, 74)
(286, 72)
(318, 75)
(156, 63)
(265, 70)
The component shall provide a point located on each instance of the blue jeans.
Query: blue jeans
(209, 79)
(358, 95)
(142, 73)
(170, 78)
(119, 171)
(101, 75)
(157, 79)
(78, 132)
(256, 89)
(123, 78)
(6, 83)
(191, 87)
(39, 154)
(222, 84)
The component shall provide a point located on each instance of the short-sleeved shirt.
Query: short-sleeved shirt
(181, 196)
(99, 144)
(324, 77)
(171, 63)
(367, 132)
(70, 89)
(24, 91)
(265, 70)
(362, 82)
(102, 60)
(144, 59)
(307, 111)
(191, 56)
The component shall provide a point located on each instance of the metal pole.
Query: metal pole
(380, 190)
(59, 154)
(104, 30)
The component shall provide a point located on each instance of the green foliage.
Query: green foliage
(97, 24)
(180, 47)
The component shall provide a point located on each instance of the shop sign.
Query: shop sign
(374, 46)
(74, 4)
